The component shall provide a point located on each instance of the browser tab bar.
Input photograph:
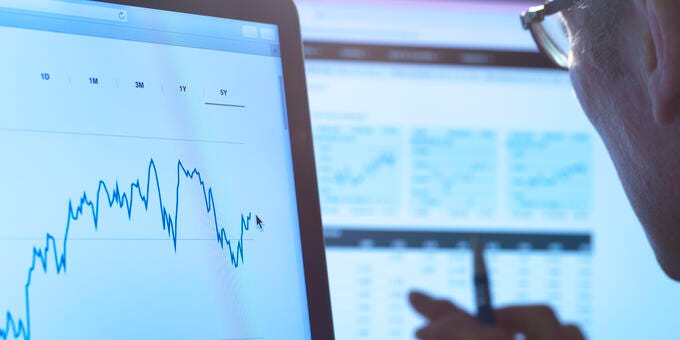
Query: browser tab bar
(68, 9)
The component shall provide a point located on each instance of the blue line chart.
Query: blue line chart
(478, 171)
(358, 167)
(346, 176)
(550, 173)
(114, 197)
(561, 176)
(454, 172)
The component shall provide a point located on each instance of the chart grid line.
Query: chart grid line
(94, 134)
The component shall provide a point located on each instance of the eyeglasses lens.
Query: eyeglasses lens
(553, 38)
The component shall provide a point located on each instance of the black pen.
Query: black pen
(485, 313)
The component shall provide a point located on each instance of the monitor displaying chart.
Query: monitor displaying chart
(147, 188)
(437, 121)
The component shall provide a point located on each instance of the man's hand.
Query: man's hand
(448, 322)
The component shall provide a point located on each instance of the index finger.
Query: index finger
(433, 309)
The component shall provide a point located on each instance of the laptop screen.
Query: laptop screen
(147, 180)
(438, 120)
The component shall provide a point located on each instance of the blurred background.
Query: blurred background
(437, 120)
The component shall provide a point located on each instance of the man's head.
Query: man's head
(626, 72)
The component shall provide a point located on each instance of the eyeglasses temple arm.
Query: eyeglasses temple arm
(538, 13)
(556, 6)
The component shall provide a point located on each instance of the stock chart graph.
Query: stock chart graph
(53, 255)
(146, 192)
(454, 172)
(550, 174)
(358, 168)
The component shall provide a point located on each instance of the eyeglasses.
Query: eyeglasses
(549, 30)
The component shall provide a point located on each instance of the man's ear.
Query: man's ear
(663, 57)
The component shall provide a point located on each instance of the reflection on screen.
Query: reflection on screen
(147, 183)
(436, 121)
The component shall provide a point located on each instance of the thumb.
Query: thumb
(535, 322)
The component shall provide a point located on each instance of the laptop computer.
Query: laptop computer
(158, 177)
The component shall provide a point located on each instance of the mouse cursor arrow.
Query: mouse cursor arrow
(259, 222)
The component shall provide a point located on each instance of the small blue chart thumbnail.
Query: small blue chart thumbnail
(454, 172)
(550, 174)
(358, 168)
